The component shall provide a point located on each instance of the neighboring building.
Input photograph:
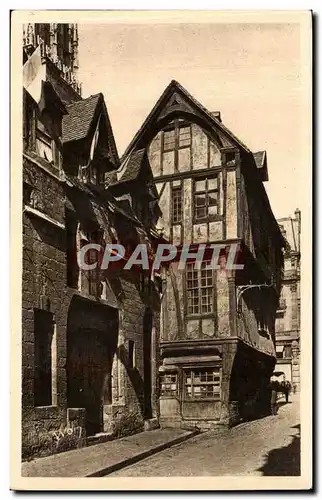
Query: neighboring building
(288, 320)
(217, 327)
(89, 338)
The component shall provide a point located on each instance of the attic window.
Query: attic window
(230, 159)
(177, 137)
(184, 137)
(169, 140)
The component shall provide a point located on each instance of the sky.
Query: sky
(252, 73)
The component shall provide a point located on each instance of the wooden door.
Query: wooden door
(88, 364)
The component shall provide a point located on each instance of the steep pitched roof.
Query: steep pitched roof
(132, 166)
(212, 117)
(77, 123)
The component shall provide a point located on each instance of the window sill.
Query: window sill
(210, 315)
(41, 215)
(46, 411)
(93, 298)
(46, 407)
(214, 218)
(198, 400)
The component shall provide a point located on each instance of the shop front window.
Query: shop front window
(168, 384)
(203, 383)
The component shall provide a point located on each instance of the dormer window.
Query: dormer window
(44, 146)
(92, 173)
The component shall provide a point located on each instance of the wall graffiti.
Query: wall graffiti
(65, 432)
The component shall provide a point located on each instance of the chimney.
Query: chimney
(216, 114)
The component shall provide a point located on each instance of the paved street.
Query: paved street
(266, 447)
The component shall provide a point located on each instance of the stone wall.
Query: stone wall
(126, 414)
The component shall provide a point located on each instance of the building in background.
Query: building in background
(217, 335)
(89, 338)
(288, 320)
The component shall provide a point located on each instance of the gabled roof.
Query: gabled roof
(77, 123)
(212, 118)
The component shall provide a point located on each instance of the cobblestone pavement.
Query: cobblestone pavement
(266, 447)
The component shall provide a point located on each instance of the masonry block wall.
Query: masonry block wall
(44, 289)
(135, 363)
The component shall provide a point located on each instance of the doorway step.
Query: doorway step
(100, 437)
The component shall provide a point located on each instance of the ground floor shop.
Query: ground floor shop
(206, 383)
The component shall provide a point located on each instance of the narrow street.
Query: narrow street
(265, 447)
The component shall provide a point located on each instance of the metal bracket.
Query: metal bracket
(241, 289)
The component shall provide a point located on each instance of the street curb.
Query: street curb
(145, 454)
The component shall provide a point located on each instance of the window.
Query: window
(279, 351)
(281, 304)
(168, 384)
(205, 196)
(43, 331)
(93, 274)
(176, 205)
(287, 351)
(177, 137)
(43, 142)
(199, 289)
(202, 383)
(230, 159)
(91, 282)
(169, 140)
(184, 137)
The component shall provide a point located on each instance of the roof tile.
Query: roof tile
(76, 124)
(133, 166)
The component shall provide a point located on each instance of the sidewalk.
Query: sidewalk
(102, 459)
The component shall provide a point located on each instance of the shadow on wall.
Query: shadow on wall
(134, 376)
(284, 461)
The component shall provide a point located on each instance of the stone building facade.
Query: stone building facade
(288, 320)
(217, 334)
(89, 337)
